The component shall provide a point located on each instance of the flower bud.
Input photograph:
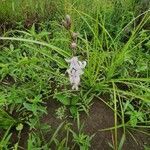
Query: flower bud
(68, 21)
(64, 23)
(73, 45)
(74, 36)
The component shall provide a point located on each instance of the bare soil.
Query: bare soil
(100, 117)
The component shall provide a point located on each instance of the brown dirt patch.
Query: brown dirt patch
(100, 117)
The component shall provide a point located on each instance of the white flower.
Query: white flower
(75, 71)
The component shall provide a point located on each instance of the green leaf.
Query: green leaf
(6, 120)
(19, 127)
(64, 99)
(73, 110)
(133, 121)
(74, 100)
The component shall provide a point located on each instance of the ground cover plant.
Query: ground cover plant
(45, 102)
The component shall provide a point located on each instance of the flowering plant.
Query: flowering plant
(76, 67)
(75, 71)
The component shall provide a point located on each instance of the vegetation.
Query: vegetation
(113, 39)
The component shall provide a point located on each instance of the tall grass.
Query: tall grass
(28, 10)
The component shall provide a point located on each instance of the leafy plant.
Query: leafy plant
(5, 141)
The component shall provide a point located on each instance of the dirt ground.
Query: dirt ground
(100, 117)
